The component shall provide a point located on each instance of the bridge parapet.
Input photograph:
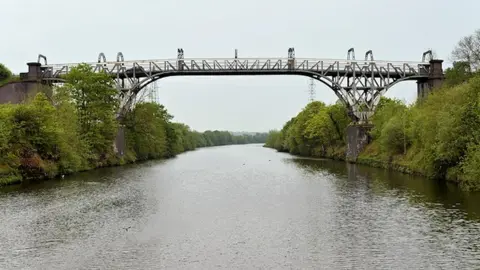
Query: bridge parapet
(150, 67)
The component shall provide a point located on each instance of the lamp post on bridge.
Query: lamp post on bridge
(180, 59)
(291, 58)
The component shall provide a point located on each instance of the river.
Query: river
(239, 207)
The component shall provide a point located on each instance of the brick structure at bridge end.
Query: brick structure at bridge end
(25, 89)
(434, 80)
(358, 136)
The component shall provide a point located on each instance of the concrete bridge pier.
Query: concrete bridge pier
(120, 144)
(29, 85)
(358, 136)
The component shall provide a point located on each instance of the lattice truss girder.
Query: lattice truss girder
(359, 84)
(361, 87)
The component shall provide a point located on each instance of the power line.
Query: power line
(311, 89)
(148, 94)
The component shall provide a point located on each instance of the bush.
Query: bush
(470, 178)
(392, 137)
(315, 130)
(5, 73)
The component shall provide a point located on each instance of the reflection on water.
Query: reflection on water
(436, 220)
(430, 193)
(239, 207)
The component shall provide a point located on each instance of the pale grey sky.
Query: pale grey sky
(76, 31)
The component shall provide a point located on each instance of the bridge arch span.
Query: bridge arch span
(376, 97)
(146, 81)
(392, 84)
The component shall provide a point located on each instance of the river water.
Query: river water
(239, 207)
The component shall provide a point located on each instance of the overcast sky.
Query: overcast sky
(76, 31)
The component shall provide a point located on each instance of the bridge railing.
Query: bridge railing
(150, 67)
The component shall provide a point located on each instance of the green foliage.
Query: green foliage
(458, 74)
(28, 136)
(216, 137)
(438, 137)
(392, 126)
(470, 180)
(146, 131)
(273, 136)
(96, 101)
(75, 152)
(445, 125)
(440, 134)
(468, 50)
(5, 73)
(316, 130)
(8, 161)
(394, 137)
(183, 142)
(74, 131)
(387, 108)
(44, 138)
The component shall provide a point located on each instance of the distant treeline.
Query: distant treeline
(75, 130)
(212, 138)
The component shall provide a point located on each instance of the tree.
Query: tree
(272, 138)
(386, 109)
(468, 50)
(34, 138)
(146, 130)
(96, 101)
(458, 74)
(5, 73)
(338, 114)
(394, 138)
(317, 129)
(74, 152)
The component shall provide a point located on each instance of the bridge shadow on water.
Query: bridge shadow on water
(382, 182)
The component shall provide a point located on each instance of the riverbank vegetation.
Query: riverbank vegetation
(438, 137)
(318, 130)
(6, 75)
(75, 129)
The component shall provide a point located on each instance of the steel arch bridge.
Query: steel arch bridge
(359, 84)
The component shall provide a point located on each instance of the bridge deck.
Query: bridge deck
(251, 66)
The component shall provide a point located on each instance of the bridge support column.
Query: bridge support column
(26, 89)
(34, 71)
(120, 145)
(435, 79)
(358, 136)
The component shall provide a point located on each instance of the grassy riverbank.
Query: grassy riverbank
(75, 129)
(438, 137)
